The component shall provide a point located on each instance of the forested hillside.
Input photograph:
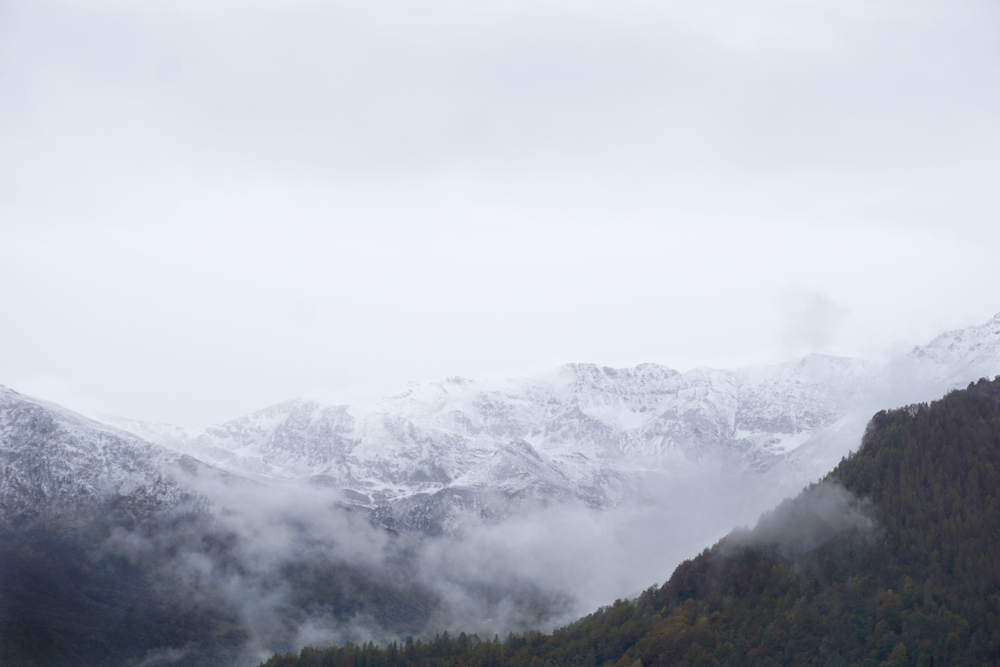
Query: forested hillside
(67, 599)
(893, 559)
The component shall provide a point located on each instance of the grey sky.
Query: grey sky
(207, 207)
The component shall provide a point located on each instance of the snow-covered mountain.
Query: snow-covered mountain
(960, 356)
(583, 432)
(55, 464)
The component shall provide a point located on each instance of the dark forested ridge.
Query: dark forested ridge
(892, 560)
(66, 600)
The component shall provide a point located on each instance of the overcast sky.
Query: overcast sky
(209, 206)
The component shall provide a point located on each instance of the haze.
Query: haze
(208, 207)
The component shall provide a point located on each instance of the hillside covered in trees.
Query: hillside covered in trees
(893, 559)
(67, 601)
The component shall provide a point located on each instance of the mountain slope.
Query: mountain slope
(55, 462)
(970, 352)
(115, 551)
(892, 560)
(67, 484)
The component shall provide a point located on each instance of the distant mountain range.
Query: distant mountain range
(581, 433)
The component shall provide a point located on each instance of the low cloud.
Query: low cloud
(812, 321)
(294, 566)
(797, 526)
(162, 656)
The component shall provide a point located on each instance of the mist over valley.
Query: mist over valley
(484, 508)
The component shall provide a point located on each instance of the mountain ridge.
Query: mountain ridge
(599, 430)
